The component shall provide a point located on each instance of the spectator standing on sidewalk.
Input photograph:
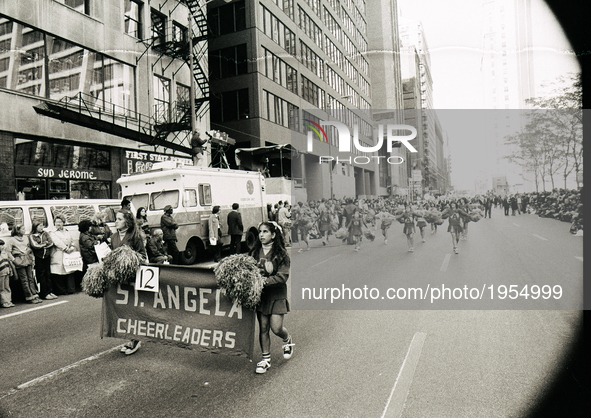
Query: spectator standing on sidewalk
(235, 228)
(19, 252)
(215, 233)
(42, 244)
(284, 221)
(5, 274)
(169, 227)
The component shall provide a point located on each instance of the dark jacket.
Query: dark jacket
(41, 244)
(155, 249)
(87, 242)
(136, 244)
(235, 226)
(168, 226)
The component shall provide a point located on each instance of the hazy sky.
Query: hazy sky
(453, 32)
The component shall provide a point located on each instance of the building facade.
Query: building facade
(280, 66)
(92, 90)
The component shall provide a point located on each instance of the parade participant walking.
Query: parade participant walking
(355, 228)
(128, 234)
(421, 223)
(303, 224)
(215, 233)
(63, 281)
(455, 223)
(407, 218)
(41, 244)
(235, 228)
(155, 248)
(324, 224)
(464, 208)
(273, 260)
(385, 223)
(20, 253)
(487, 206)
(169, 227)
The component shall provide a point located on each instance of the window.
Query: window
(228, 18)
(228, 62)
(278, 32)
(161, 99)
(38, 214)
(158, 27)
(205, 194)
(132, 18)
(309, 27)
(230, 105)
(139, 200)
(312, 93)
(83, 6)
(277, 70)
(159, 200)
(179, 33)
(39, 153)
(279, 111)
(312, 61)
(11, 216)
(190, 198)
(72, 215)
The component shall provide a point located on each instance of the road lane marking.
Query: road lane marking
(515, 224)
(57, 372)
(579, 258)
(445, 262)
(397, 398)
(542, 238)
(338, 255)
(33, 309)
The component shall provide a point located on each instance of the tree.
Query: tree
(564, 121)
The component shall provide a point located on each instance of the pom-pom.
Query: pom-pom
(120, 266)
(240, 279)
(342, 233)
(368, 234)
(93, 282)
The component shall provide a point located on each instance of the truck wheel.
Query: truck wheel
(250, 240)
(191, 253)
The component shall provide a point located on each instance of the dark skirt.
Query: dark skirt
(273, 307)
(408, 229)
(455, 228)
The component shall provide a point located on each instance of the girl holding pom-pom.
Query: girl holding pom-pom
(128, 233)
(273, 260)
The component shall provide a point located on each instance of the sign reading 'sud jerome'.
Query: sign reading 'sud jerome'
(188, 311)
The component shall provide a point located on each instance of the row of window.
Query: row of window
(228, 62)
(279, 71)
(310, 28)
(279, 111)
(278, 32)
(50, 67)
(229, 106)
(312, 61)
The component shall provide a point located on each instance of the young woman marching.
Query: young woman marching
(455, 223)
(408, 218)
(385, 223)
(355, 228)
(273, 260)
(463, 206)
(421, 222)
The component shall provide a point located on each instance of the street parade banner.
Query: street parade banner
(183, 307)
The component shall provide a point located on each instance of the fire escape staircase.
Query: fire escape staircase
(169, 127)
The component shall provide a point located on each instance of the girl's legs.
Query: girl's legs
(465, 231)
(275, 324)
(409, 241)
(422, 230)
(454, 240)
(385, 234)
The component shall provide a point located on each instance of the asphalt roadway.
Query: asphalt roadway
(364, 362)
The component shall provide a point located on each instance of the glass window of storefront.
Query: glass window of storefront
(41, 173)
(43, 65)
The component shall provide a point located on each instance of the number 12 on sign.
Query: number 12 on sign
(147, 279)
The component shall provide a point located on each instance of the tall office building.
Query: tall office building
(508, 80)
(416, 76)
(387, 97)
(91, 90)
(277, 67)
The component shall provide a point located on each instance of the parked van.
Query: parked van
(72, 210)
(193, 192)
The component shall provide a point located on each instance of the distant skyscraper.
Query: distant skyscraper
(508, 80)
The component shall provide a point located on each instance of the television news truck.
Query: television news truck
(193, 192)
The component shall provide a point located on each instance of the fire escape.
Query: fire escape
(170, 125)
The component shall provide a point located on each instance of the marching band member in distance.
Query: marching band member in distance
(273, 259)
